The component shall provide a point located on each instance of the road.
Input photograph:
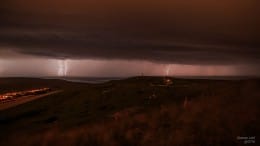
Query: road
(25, 99)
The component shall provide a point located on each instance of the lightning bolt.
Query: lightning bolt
(62, 68)
(167, 70)
(65, 65)
(1, 68)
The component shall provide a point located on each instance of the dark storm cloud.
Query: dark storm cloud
(194, 32)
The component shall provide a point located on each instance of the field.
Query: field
(138, 111)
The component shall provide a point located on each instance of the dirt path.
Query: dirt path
(25, 99)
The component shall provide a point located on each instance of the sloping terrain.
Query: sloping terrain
(134, 111)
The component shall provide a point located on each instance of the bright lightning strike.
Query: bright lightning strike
(1, 68)
(168, 69)
(62, 68)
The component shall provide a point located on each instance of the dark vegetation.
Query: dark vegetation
(132, 112)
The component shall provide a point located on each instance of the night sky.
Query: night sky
(128, 38)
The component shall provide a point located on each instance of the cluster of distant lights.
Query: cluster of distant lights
(13, 95)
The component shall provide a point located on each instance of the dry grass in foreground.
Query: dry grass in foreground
(203, 121)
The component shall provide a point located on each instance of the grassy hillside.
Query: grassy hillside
(134, 111)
